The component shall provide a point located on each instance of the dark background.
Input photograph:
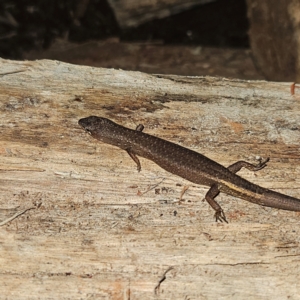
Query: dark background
(34, 25)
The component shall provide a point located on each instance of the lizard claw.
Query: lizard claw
(220, 216)
(261, 164)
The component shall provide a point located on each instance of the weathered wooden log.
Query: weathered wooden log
(100, 228)
(154, 58)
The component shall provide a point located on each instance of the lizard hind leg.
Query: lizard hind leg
(234, 168)
(209, 197)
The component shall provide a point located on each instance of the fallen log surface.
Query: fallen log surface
(100, 229)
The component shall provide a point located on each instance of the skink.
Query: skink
(188, 164)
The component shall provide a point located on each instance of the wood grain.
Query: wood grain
(100, 229)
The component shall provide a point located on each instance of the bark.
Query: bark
(275, 38)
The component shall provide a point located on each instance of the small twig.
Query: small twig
(16, 215)
(293, 86)
(153, 187)
(163, 278)
(185, 188)
(12, 72)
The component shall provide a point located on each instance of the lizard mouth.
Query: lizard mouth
(88, 131)
(83, 123)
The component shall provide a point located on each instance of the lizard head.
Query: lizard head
(94, 125)
(105, 130)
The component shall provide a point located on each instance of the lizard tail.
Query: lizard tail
(277, 200)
